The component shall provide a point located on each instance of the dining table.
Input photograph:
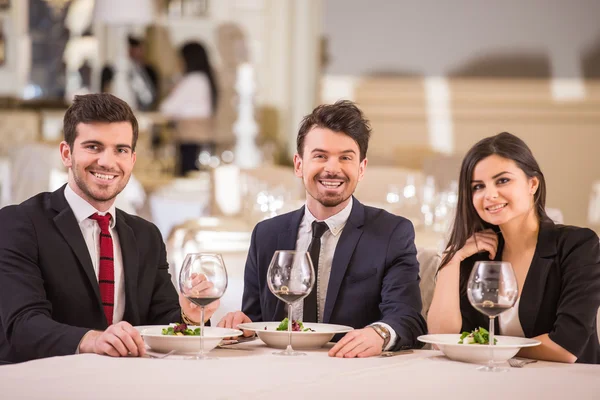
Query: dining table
(250, 370)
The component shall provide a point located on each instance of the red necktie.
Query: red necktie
(106, 274)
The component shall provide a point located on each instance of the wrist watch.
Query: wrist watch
(187, 320)
(383, 332)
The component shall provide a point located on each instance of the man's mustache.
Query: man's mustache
(101, 169)
(329, 176)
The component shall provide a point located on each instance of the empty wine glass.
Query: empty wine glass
(202, 280)
(492, 289)
(291, 277)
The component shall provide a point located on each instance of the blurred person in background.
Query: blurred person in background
(501, 216)
(143, 77)
(192, 106)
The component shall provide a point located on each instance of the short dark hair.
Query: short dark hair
(97, 107)
(343, 116)
(134, 42)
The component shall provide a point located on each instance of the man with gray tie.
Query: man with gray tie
(365, 258)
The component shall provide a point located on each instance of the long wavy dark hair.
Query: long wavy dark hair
(196, 59)
(467, 221)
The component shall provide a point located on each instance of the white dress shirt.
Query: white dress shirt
(509, 322)
(329, 242)
(191, 98)
(91, 234)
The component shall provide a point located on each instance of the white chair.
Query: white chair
(31, 166)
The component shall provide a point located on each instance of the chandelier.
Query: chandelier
(57, 6)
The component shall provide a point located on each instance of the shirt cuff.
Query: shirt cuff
(81, 341)
(393, 336)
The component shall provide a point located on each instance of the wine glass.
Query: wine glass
(202, 280)
(291, 277)
(492, 289)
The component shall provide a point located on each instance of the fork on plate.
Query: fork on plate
(520, 363)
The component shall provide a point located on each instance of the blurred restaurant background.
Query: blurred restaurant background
(220, 86)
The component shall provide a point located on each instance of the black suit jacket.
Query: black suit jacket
(561, 293)
(374, 275)
(49, 294)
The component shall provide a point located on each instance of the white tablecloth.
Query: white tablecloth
(257, 374)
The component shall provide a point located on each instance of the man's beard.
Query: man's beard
(329, 201)
(85, 190)
(332, 201)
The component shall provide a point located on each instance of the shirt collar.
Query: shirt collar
(335, 223)
(83, 210)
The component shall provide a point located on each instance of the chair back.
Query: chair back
(429, 261)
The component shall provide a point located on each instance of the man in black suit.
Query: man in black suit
(75, 273)
(367, 270)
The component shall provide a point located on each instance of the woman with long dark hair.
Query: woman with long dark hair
(501, 216)
(192, 104)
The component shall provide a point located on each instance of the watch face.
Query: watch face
(382, 331)
(385, 331)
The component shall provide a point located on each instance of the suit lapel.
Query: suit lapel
(535, 282)
(343, 254)
(286, 240)
(67, 225)
(131, 262)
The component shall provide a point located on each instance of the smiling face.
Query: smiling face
(100, 162)
(502, 192)
(330, 168)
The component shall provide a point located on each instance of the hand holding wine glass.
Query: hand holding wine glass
(203, 280)
(290, 277)
(492, 289)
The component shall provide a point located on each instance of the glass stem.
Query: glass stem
(289, 346)
(491, 342)
(201, 331)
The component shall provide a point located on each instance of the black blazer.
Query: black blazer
(561, 293)
(49, 294)
(374, 276)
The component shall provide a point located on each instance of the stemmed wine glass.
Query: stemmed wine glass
(291, 277)
(492, 289)
(202, 280)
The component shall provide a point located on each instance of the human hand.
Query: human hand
(358, 343)
(486, 240)
(233, 319)
(199, 286)
(192, 310)
(118, 340)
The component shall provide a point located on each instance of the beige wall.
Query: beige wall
(564, 136)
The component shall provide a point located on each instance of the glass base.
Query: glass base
(289, 353)
(487, 368)
(201, 357)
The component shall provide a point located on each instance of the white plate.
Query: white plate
(506, 347)
(184, 344)
(300, 340)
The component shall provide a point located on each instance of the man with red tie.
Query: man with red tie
(77, 274)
